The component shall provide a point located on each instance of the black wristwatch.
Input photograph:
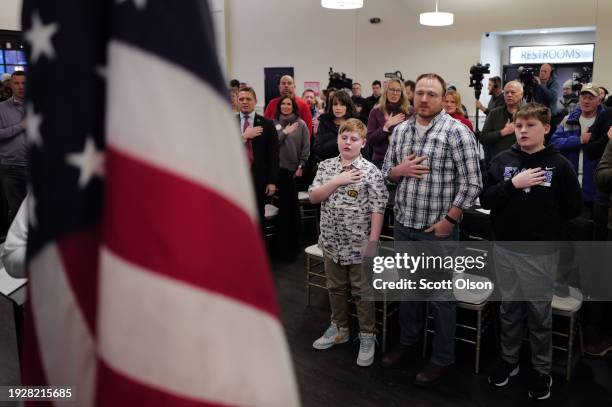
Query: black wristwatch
(451, 220)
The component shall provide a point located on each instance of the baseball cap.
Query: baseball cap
(568, 84)
(591, 88)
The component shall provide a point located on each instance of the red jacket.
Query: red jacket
(303, 111)
(463, 120)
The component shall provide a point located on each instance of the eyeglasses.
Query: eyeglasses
(394, 90)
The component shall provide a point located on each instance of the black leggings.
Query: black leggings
(288, 224)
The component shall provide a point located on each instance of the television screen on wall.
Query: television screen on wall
(14, 57)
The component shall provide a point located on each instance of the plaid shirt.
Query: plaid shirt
(346, 215)
(454, 178)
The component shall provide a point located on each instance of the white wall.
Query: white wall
(10, 15)
(217, 10)
(299, 33)
(489, 54)
(281, 33)
(490, 49)
(602, 72)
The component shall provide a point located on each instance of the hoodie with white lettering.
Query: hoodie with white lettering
(537, 213)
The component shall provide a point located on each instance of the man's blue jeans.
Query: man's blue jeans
(412, 313)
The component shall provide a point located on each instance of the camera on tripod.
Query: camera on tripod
(477, 73)
(339, 80)
(527, 77)
(582, 77)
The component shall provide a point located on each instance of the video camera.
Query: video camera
(582, 77)
(527, 77)
(394, 75)
(339, 80)
(477, 73)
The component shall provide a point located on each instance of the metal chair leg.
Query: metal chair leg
(570, 348)
(580, 336)
(478, 337)
(384, 326)
(307, 280)
(426, 325)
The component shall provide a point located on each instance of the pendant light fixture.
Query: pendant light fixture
(342, 4)
(436, 18)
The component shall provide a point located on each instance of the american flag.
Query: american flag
(148, 279)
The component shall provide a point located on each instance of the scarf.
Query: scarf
(392, 107)
(288, 119)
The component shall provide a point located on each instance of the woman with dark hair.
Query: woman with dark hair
(294, 150)
(393, 109)
(327, 94)
(452, 105)
(326, 139)
(328, 97)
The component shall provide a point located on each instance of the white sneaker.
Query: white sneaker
(332, 336)
(366, 349)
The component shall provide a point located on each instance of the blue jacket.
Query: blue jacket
(567, 140)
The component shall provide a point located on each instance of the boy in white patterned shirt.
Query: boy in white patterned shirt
(353, 199)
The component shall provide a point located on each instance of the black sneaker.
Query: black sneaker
(539, 386)
(502, 372)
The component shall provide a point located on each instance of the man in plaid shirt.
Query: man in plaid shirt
(433, 159)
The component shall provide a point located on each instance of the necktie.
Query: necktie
(249, 144)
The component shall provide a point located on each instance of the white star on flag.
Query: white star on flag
(90, 162)
(140, 4)
(33, 121)
(39, 37)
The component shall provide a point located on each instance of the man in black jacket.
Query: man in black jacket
(497, 96)
(261, 144)
(546, 93)
(362, 105)
(376, 93)
(547, 88)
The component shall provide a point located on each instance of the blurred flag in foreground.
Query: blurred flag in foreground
(149, 285)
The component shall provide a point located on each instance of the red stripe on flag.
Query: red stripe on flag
(182, 230)
(115, 389)
(79, 253)
(32, 372)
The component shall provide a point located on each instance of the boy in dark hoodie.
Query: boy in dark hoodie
(532, 190)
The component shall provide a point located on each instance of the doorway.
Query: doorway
(272, 79)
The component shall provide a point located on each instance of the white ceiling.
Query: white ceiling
(558, 30)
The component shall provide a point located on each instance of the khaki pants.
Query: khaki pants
(338, 279)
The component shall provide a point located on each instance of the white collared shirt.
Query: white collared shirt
(251, 119)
